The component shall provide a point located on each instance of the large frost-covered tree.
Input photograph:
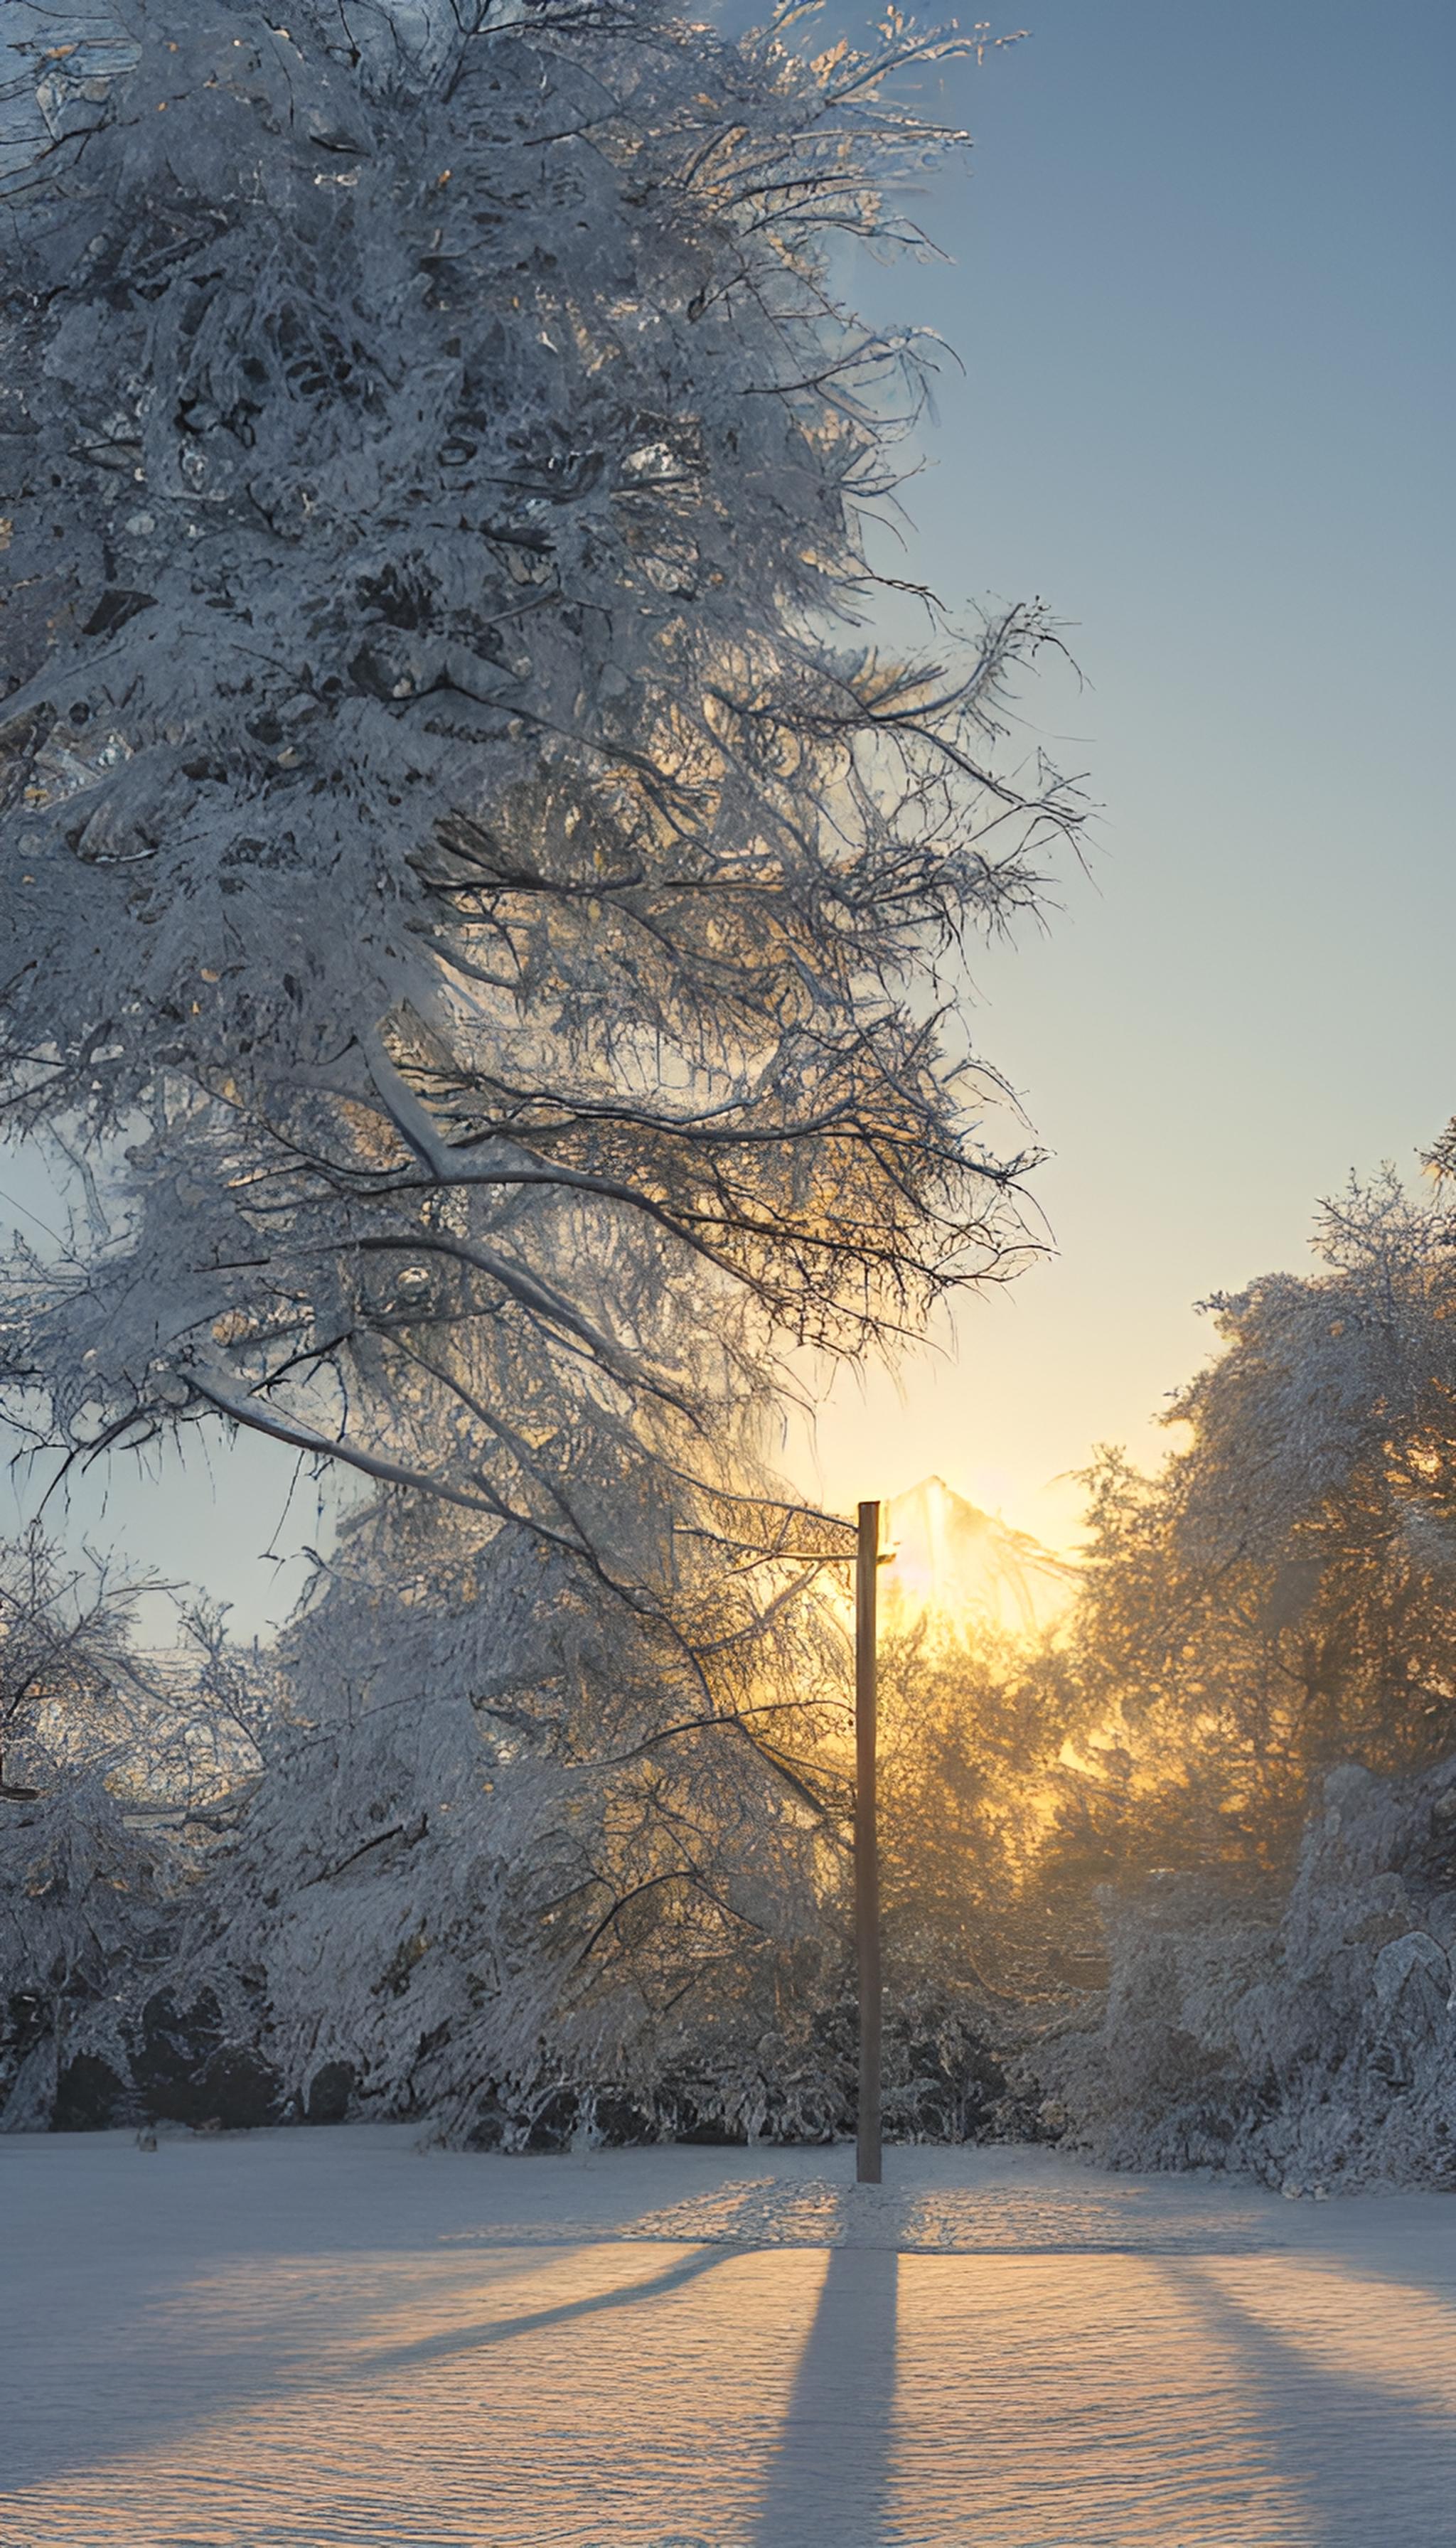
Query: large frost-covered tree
(471, 890)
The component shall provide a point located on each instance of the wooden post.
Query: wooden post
(867, 1846)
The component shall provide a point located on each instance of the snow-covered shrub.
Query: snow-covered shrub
(1313, 2041)
(118, 1768)
(83, 1896)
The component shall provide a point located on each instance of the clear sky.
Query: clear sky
(1202, 286)
(1203, 293)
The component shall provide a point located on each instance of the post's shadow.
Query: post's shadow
(830, 2475)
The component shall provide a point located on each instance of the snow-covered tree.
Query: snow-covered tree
(118, 1768)
(499, 1861)
(65, 1639)
(1311, 2040)
(484, 915)
(1265, 1657)
(460, 844)
(1282, 1596)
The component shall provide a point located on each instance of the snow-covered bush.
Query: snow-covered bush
(117, 1768)
(1313, 2041)
(83, 1896)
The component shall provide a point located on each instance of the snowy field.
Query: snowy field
(292, 2341)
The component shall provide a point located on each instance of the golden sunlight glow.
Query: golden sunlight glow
(958, 1569)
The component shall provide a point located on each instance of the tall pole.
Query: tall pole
(867, 1844)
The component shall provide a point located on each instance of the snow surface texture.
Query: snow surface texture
(307, 2340)
(1316, 2048)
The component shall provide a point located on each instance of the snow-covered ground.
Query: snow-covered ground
(298, 2339)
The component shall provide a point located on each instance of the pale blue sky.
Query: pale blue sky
(1201, 290)
(1203, 293)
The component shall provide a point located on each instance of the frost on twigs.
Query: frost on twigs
(458, 840)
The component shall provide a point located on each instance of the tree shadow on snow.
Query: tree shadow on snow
(470, 2339)
(1369, 2464)
(112, 2422)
